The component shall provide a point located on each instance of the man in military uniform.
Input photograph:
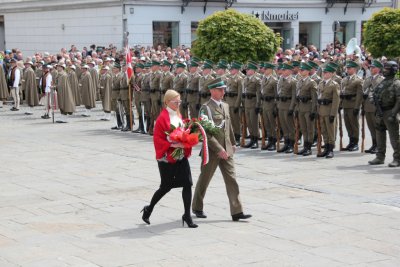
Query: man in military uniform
(192, 97)
(306, 96)
(317, 79)
(233, 97)
(105, 92)
(221, 150)
(296, 69)
(387, 102)
(124, 96)
(145, 95)
(205, 80)
(368, 104)
(180, 85)
(221, 70)
(268, 105)
(286, 91)
(116, 81)
(155, 93)
(136, 83)
(352, 96)
(328, 104)
(250, 94)
(167, 79)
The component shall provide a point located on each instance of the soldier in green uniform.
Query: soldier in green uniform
(192, 97)
(145, 95)
(368, 104)
(387, 102)
(306, 96)
(233, 97)
(352, 96)
(328, 104)
(115, 95)
(136, 83)
(155, 93)
(205, 80)
(250, 94)
(180, 85)
(268, 96)
(296, 69)
(167, 79)
(221, 150)
(317, 79)
(124, 96)
(286, 91)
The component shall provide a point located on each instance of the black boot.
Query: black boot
(315, 141)
(355, 145)
(119, 123)
(128, 126)
(285, 146)
(329, 155)
(324, 153)
(146, 214)
(265, 147)
(237, 139)
(350, 145)
(250, 143)
(301, 152)
(307, 151)
(255, 143)
(272, 145)
(140, 128)
(373, 149)
(290, 146)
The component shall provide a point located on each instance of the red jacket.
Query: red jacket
(161, 144)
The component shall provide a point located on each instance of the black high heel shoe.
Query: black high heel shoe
(188, 221)
(146, 214)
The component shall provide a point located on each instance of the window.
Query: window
(347, 31)
(194, 25)
(165, 33)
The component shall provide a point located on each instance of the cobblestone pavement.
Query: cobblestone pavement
(71, 195)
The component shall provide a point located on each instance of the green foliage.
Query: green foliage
(382, 33)
(235, 36)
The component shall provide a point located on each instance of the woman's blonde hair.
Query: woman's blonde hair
(169, 95)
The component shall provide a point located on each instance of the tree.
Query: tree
(382, 33)
(232, 35)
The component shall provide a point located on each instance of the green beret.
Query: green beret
(333, 65)
(217, 83)
(236, 65)
(305, 66)
(375, 63)
(252, 65)
(351, 64)
(269, 65)
(329, 68)
(295, 63)
(155, 63)
(139, 65)
(181, 65)
(313, 64)
(167, 63)
(287, 66)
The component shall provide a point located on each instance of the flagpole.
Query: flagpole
(128, 65)
(130, 103)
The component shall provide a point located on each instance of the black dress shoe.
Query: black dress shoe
(240, 216)
(199, 214)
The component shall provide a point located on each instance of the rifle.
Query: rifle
(263, 131)
(319, 137)
(341, 131)
(244, 129)
(362, 131)
(296, 145)
(278, 133)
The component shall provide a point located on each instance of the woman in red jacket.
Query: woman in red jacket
(174, 173)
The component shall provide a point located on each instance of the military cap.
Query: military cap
(351, 64)
(223, 61)
(333, 65)
(147, 65)
(139, 65)
(209, 62)
(329, 68)
(222, 65)
(287, 66)
(206, 65)
(117, 66)
(195, 59)
(252, 65)
(167, 63)
(295, 63)
(280, 66)
(181, 65)
(236, 65)
(269, 65)
(194, 64)
(216, 84)
(155, 63)
(305, 66)
(313, 64)
(375, 63)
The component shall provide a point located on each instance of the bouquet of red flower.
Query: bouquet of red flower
(182, 135)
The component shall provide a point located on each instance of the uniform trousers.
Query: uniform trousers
(15, 93)
(382, 125)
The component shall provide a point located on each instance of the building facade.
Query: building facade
(50, 25)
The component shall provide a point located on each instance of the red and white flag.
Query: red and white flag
(128, 59)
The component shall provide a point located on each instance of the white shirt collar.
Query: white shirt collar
(216, 102)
